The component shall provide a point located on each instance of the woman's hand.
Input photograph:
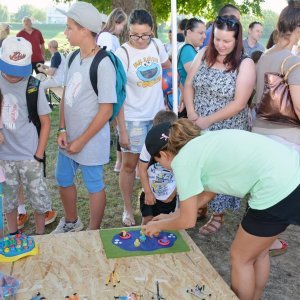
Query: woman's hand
(162, 217)
(192, 115)
(203, 122)
(150, 198)
(62, 140)
(152, 228)
(124, 140)
(75, 146)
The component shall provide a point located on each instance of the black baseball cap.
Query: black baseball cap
(157, 138)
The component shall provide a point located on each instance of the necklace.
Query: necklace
(83, 58)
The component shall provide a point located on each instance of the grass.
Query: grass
(114, 206)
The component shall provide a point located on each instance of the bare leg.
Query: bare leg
(39, 223)
(97, 207)
(249, 255)
(126, 179)
(68, 197)
(12, 221)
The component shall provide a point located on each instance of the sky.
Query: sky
(13, 5)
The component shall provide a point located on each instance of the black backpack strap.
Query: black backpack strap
(73, 55)
(94, 68)
(32, 93)
(127, 56)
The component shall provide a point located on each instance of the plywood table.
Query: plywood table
(76, 262)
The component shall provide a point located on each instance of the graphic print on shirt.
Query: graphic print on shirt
(148, 71)
(10, 111)
(72, 89)
(160, 180)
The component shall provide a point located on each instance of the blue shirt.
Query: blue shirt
(187, 54)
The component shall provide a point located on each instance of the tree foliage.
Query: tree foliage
(4, 15)
(29, 11)
(161, 10)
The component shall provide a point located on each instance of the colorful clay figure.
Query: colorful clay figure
(124, 235)
(73, 297)
(137, 243)
(142, 238)
(113, 277)
(14, 247)
(38, 297)
(198, 291)
(164, 241)
(130, 296)
(8, 286)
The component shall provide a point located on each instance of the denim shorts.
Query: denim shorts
(137, 132)
(66, 171)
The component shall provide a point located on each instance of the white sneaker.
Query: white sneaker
(63, 227)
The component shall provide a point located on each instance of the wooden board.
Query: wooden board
(76, 262)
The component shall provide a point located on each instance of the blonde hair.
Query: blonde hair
(181, 132)
(53, 44)
(4, 31)
(117, 16)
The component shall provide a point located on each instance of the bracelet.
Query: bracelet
(61, 130)
(38, 159)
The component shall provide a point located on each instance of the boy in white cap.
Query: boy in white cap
(84, 134)
(22, 151)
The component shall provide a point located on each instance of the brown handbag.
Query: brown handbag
(276, 104)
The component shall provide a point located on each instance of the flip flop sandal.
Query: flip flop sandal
(280, 251)
(127, 219)
(210, 228)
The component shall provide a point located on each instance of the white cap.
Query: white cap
(15, 57)
(85, 14)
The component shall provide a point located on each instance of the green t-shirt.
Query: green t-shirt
(236, 162)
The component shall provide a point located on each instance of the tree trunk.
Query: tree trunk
(128, 6)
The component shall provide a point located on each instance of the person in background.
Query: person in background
(35, 37)
(226, 10)
(109, 38)
(4, 32)
(180, 31)
(251, 43)
(216, 93)
(273, 39)
(159, 195)
(168, 46)
(56, 69)
(271, 61)
(114, 26)
(143, 58)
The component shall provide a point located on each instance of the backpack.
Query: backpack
(32, 93)
(120, 76)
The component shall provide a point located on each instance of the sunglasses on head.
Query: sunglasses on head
(229, 21)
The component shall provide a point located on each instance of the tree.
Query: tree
(161, 10)
(4, 15)
(29, 11)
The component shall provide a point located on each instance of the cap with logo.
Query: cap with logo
(157, 138)
(85, 14)
(15, 57)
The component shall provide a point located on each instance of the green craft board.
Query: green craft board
(113, 251)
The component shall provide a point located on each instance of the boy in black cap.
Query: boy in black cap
(159, 194)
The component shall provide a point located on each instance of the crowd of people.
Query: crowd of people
(206, 156)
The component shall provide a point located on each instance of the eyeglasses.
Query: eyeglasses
(144, 37)
(229, 21)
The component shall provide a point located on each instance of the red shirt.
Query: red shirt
(36, 39)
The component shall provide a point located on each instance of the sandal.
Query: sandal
(202, 213)
(127, 219)
(282, 250)
(210, 227)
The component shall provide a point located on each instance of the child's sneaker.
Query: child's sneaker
(22, 219)
(50, 216)
(63, 227)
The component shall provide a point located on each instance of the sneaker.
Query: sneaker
(22, 219)
(63, 227)
(50, 216)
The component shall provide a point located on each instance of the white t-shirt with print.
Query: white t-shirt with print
(109, 40)
(161, 180)
(144, 80)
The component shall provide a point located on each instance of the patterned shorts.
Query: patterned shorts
(29, 173)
